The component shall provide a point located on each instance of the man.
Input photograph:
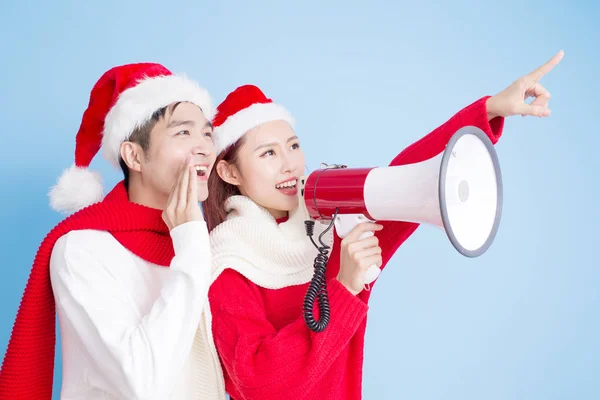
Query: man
(127, 275)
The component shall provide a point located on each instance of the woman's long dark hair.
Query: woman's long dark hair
(219, 190)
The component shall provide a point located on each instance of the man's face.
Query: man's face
(183, 134)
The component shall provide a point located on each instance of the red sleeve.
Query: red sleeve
(265, 362)
(395, 233)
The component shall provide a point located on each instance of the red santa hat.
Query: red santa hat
(122, 100)
(243, 109)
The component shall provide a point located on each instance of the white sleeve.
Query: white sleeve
(135, 356)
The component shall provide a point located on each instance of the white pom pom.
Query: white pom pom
(77, 188)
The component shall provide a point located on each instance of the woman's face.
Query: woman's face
(268, 167)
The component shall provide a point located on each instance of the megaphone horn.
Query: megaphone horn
(459, 190)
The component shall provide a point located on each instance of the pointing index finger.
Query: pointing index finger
(538, 73)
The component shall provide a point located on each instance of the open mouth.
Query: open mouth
(201, 170)
(287, 186)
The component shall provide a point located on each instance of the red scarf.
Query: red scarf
(28, 367)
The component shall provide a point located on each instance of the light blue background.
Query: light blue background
(364, 81)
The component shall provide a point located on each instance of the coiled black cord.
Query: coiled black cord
(317, 289)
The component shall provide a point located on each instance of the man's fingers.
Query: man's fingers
(192, 198)
(539, 72)
(175, 187)
(183, 189)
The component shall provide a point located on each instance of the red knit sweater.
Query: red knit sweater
(266, 349)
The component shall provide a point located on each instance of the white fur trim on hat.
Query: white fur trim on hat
(76, 188)
(136, 105)
(238, 124)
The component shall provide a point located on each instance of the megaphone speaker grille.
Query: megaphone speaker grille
(470, 191)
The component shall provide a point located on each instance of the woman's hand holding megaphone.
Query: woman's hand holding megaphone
(511, 101)
(357, 255)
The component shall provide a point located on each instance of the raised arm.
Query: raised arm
(488, 114)
(394, 234)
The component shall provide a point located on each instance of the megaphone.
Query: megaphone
(459, 191)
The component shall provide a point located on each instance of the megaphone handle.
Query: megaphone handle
(373, 271)
(344, 224)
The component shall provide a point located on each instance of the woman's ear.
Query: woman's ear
(131, 153)
(228, 173)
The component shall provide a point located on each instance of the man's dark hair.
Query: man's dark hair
(141, 136)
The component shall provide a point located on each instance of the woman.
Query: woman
(263, 259)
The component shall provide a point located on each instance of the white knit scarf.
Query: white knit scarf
(269, 254)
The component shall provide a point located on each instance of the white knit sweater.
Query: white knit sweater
(131, 329)
(269, 254)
